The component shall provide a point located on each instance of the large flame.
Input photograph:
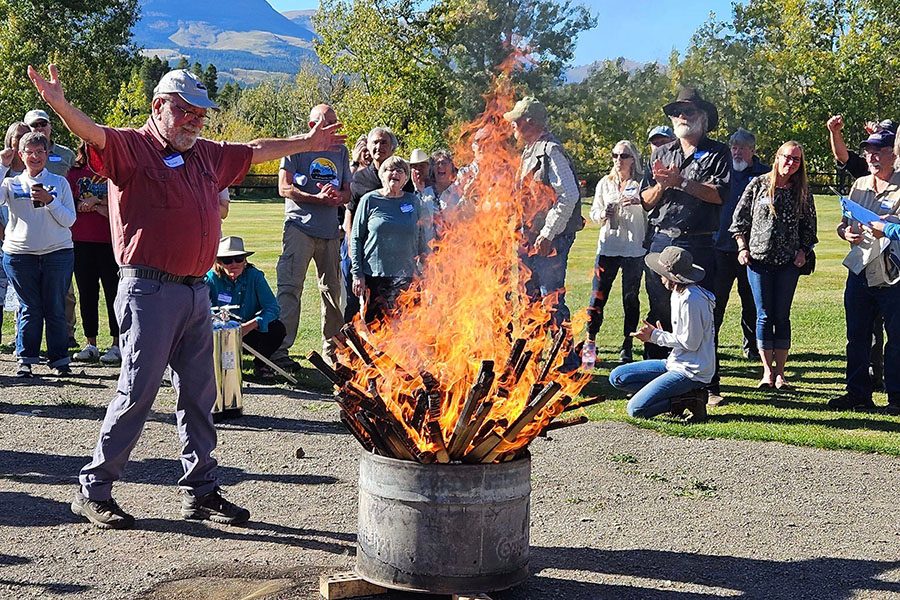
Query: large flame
(469, 304)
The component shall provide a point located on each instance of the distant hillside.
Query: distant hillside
(236, 35)
(302, 18)
(580, 73)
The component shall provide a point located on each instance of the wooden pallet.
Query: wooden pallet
(348, 584)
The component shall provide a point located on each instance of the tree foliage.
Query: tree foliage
(89, 40)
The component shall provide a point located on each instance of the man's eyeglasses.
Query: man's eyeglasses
(622, 155)
(34, 152)
(687, 112)
(185, 113)
(232, 259)
(790, 158)
(39, 124)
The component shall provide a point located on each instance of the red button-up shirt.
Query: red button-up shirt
(162, 216)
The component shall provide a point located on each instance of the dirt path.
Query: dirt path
(617, 512)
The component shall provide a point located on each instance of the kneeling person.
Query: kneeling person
(235, 282)
(678, 382)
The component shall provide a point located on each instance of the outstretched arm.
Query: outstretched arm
(320, 137)
(76, 121)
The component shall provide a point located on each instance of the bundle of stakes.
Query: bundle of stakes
(409, 428)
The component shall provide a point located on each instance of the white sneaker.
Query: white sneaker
(90, 352)
(112, 357)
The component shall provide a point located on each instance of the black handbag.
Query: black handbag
(810, 265)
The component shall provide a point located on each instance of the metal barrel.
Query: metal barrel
(443, 528)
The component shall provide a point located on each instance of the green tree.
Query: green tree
(211, 80)
(130, 107)
(151, 71)
(89, 40)
(183, 63)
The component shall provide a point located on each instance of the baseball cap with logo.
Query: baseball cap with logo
(33, 116)
(187, 85)
(528, 107)
(660, 130)
(880, 139)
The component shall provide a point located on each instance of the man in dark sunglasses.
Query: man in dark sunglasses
(164, 183)
(684, 190)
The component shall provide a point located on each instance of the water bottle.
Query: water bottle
(588, 356)
(300, 179)
(612, 216)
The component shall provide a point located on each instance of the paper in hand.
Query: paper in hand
(854, 211)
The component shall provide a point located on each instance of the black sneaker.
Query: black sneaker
(105, 514)
(214, 507)
(892, 410)
(849, 402)
(24, 371)
(287, 363)
(62, 371)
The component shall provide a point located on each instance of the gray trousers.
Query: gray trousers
(297, 249)
(160, 324)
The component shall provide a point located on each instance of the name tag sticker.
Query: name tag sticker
(700, 154)
(225, 298)
(54, 158)
(406, 208)
(173, 160)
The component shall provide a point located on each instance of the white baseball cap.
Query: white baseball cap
(35, 115)
(187, 85)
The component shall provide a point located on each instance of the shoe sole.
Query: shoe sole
(76, 510)
(202, 514)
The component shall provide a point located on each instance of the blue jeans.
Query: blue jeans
(41, 282)
(861, 305)
(653, 386)
(773, 292)
(548, 279)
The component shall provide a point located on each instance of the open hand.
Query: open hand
(329, 195)
(665, 177)
(645, 332)
(326, 137)
(51, 91)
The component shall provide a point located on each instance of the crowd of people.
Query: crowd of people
(138, 212)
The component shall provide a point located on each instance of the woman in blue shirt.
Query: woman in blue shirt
(235, 282)
(387, 238)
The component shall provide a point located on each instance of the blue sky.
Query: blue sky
(641, 30)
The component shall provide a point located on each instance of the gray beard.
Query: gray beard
(739, 165)
(692, 129)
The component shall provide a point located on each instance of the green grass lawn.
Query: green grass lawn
(799, 417)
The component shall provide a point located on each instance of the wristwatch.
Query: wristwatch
(683, 185)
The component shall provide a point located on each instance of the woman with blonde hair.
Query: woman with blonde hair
(620, 245)
(775, 230)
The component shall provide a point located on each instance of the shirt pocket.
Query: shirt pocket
(164, 188)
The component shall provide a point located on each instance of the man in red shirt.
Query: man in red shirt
(164, 182)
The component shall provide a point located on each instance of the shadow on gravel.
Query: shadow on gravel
(754, 579)
(48, 588)
(24, 510)
(334, 542)
(55, 469)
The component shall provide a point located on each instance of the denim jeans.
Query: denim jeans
(861, 305)
(653, 386)
(773, 292)
(41, 282)
(548, 278)
(701, 248)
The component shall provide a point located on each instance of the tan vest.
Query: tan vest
(872, 254)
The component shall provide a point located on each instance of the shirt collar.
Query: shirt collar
(151, 131)
(868, 183)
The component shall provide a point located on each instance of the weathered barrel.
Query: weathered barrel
(443, 529)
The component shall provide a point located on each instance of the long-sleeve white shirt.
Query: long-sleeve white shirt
(628, 238)
(37, 230)
(692, 338)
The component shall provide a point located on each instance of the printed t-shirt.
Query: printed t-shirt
(310, 170)
(89, 226)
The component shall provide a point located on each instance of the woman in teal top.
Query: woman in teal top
(235, 282)
(387, 238)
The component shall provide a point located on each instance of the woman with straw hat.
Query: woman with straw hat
(679, 382)
(233, 281)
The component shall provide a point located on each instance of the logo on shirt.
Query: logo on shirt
(88, 187)
(324, 171)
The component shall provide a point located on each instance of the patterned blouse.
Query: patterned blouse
(774, 239)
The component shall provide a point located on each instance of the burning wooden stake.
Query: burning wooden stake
(435, 435)
(558, 340)
(322, 365)
(526, 418)
(479, 391)
(562, 423)
(584, 403)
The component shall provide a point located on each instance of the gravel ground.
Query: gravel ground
(617, 512)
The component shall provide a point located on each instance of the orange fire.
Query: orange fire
(469, 304)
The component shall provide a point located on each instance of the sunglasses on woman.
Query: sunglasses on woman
(623, 156)
(232, 259)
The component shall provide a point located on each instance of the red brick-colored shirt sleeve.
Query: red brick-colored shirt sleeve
(116, 161)
(233, 163)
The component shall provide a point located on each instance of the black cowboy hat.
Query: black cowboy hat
(689, 95)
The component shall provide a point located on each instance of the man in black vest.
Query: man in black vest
(552, 210)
